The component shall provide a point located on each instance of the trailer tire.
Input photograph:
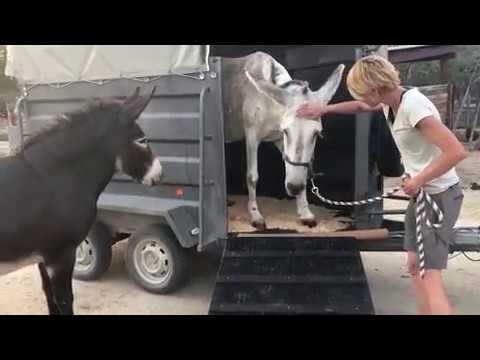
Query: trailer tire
(156, 261)
(94, 254)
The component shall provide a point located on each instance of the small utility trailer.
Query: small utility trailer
(269, 273)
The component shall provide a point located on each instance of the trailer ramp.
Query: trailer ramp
(291, 275)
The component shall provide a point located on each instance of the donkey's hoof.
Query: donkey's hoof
(259, 225)
(311, 223)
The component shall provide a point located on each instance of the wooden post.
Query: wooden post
(468, 116)
(473, 125)
(444, 73)
(445, 78)
(409, 73)
(382, 51)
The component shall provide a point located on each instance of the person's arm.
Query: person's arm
(315, 110)
(453, 152)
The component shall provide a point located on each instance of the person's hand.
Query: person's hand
(412, 263)
(411, 186)
(311, 111)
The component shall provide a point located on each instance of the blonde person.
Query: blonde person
(430, 152)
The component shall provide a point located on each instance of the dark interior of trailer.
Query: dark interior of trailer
(335, 153)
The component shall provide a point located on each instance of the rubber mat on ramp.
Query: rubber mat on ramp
(276, 276)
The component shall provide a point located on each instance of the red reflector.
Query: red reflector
(179, 192)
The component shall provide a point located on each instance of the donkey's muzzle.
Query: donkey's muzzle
(154, 174)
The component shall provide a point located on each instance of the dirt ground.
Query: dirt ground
(116, 294)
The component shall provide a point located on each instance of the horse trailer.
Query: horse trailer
(185, 128)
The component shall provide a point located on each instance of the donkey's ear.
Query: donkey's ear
(133, 97)
(135, 107)
(325, 94)
(272, 92)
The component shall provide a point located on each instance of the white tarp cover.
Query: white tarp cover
(47, 64)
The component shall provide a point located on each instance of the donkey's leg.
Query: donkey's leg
(60, 272)
(256, 217)
(47, 289)
(306, 216)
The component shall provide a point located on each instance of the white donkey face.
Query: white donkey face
(299, 140)
(300, 135)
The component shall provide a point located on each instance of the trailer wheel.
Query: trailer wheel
(156, 261)
(94, 254)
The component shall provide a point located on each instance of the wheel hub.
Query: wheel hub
(154, 260)
(84, 254)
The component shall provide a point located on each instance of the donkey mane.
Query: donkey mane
(62, 124)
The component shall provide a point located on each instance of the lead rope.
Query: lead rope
(423, 198)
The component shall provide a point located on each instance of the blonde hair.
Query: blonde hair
(372, 72)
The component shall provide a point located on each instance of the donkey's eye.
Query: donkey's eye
(142, 141)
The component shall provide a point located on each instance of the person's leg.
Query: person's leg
(436, 295)
(436, 259)
(410, 248)
(436, 244)
(421, 296)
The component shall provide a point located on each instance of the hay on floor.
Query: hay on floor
(282, 215)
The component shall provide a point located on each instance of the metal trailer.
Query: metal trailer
(184, 125)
